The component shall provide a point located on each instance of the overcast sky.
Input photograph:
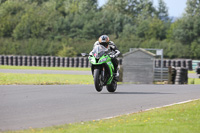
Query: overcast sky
(175, 7)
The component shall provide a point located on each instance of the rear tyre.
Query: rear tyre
(112, 87)
(97, 80)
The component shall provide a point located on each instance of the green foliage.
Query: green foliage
(195, 47)
(69, 27)
(67, 50)
(10, 15)
(193, 7)
(162, 12)
(156, 29)
(37, 22)
(171, 30)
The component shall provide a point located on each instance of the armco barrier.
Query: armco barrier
(46, 61)
(157, 74)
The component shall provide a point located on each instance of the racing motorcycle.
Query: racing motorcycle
(102, 68)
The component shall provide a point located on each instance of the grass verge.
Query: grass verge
(194, 81)
(44, 68)
(183, 118)
(43, 79)
(191, 72)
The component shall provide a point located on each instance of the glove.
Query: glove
(112, 56)
(90, 54)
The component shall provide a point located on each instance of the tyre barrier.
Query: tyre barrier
(177, 75)
(186, 63)
(198, 69)
(46, 61)
(172, 75)
(181, 75)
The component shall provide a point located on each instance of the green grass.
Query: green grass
(183, 118)
(43, 79)
(191, 72)
(194, 81)
(44, 68)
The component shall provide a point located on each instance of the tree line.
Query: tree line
(70, 27)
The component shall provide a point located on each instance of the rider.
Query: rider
(105, 41)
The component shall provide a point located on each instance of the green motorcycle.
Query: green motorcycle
(102, 68)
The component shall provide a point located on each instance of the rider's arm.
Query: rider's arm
(96, 43)
(117, 52)
(114, 48)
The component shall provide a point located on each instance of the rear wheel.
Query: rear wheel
(112, 87)
(97, 80)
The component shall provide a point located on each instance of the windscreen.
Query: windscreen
(98, 51)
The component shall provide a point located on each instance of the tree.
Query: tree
(188, 29)
(157, 29)
(39, 2)
(141, 28)
(2, 1)
(184, 31)
(132, 8)
(171, 30)
(162, 11)
(117, 5)
(76, 6)
(195, 48)
(37, 22)
(10, 15)
(145, 9)
(193, 7)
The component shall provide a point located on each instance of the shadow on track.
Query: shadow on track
(140, 93)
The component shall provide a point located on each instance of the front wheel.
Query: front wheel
(97, 80)
(112, 87)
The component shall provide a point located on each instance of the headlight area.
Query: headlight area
(104, 59)
(92, 60)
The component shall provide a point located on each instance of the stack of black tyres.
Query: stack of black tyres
(181, 75)
(173, 75)
(198, 69)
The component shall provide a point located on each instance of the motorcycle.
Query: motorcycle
(102, 68)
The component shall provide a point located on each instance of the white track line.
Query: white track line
(150, 109)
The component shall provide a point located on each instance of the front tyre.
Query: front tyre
(97, 80)
(112, 87)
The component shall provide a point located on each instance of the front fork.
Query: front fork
(102, 72)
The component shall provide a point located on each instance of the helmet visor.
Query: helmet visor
(105, 44)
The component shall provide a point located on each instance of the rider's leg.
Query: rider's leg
(115, 63)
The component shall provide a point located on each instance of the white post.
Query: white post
(161, 65)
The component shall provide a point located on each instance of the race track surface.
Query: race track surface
(25, 106)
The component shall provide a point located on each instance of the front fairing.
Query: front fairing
(103, 59)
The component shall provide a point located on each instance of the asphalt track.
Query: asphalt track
(25, 106)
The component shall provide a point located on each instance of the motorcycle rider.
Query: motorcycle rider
(105, 41)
